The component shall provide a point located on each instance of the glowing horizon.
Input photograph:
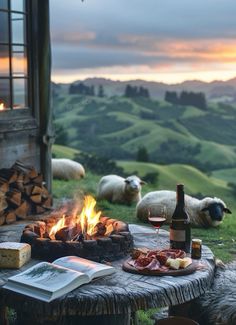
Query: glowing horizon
(166, 78)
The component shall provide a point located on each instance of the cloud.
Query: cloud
(156, 34)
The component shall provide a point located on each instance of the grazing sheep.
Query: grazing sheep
(117, 189)
(67, 169)
(218, 305)
(208, 212)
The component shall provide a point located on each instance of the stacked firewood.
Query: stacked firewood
(22, 193)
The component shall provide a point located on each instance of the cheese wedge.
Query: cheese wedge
(13, 255)
(184, 262)
(173, 263)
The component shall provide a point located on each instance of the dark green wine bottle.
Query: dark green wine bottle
(180, 229)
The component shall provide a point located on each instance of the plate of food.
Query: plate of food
(168, 261)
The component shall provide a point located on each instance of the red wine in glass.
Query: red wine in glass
(157, 222)
(157, 216)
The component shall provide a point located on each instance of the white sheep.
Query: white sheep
(208, 212)
(117, 189)
(67, 169)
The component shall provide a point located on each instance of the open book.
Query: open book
(47, 281)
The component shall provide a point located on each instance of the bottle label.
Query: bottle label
(177, 235)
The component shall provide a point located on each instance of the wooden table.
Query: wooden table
(113, 299)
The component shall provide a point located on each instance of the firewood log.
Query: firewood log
(36, 190)
(2, 218)
(38, 179)
(19, 184)
(47, 203)
(10, 217)
(23, 210)
(4, 185)
(3, 202)
(36, 198)
(8, 174)
(28, 189)
(13, 197)
(39, 209)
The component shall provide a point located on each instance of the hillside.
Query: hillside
(117, 127)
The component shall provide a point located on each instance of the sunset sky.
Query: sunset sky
(160, 40)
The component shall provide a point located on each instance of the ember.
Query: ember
(86, 234)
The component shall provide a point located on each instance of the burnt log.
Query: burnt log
(100, 229)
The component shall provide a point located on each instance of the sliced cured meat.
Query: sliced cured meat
(174, 253)
(153, 265)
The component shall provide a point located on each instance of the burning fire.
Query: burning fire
(60, 224)
(87, 220)
(2, 107)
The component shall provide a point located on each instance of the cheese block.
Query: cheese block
(13, 255)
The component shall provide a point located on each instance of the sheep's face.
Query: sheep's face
(216, 213)
(133, 184)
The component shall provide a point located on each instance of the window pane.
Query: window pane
(18, 5)
(4, 31)
(18, 30)
(4, 94)
(19, 61)
(20, 93)
(4, 61)
(3, 4)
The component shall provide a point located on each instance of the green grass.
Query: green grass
(227, 175)
(63, 152)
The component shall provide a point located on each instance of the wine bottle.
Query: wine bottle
(180, 230)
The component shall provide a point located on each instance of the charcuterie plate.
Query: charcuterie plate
(188, 270)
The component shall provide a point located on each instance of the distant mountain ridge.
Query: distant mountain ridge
(216, 90)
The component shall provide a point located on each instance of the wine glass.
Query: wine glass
(157, 214)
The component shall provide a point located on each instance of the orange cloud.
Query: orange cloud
(197, 49)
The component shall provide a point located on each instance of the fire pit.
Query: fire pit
(86, 234)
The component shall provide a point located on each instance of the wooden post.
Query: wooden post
(44, 59)
(3, 315)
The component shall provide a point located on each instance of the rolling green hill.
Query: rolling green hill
(117, 127)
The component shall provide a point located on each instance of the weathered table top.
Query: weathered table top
(120, 292)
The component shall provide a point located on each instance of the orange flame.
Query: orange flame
(2, 107)
(89, 217)
(60, 224)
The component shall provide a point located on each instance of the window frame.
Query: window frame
(31, 111)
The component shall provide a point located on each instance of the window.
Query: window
(14, 73)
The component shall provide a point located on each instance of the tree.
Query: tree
(61, 135)
(100, 91)
(142, 154)
(171, 97)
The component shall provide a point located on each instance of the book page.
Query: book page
(46, 276)
(92, 269)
